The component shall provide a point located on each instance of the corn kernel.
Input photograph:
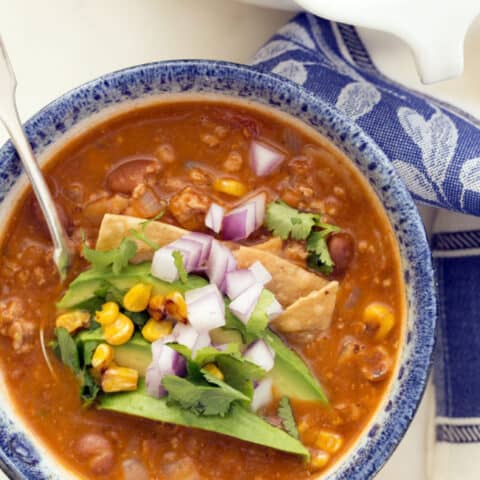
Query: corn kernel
(108, 314)
(136, 299)
(102, 356)
(329, 441)
(230, 187)
(120, 331)
(176, 306)
(156, 307)
(154, 330)
(119, 379)
(381, 316)
(319, 459)
(213, 370)
(73, 321)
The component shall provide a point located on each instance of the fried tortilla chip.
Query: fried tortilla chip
(289, 281)
(273, 245)
(312, 312)
(115, 227)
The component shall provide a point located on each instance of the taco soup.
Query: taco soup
(235, 308)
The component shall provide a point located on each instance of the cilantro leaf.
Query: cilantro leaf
(203, 400)
(116, 259)
(178, 260)
(240, 373)
(68, 349)
(285, 413)
(319, 257)
(89, 388)
(285, 221)
(142, 235)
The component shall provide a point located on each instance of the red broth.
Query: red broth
(192, 143)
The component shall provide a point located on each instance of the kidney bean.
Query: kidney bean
(97, 450)
(125, 176)
(342, 250)
(376, 364)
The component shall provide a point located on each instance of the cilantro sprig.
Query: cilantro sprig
(287, 222)
(287, 417)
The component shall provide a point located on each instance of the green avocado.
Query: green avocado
(87, 285)
(136, 353)
(239, 423)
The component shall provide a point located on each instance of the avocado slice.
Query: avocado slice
(85, 286)
(136, 353)
(291, 376)
(239, 423)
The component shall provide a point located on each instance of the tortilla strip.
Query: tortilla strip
(313, 312)
(289, 281)
(115, 227)
(274, 245)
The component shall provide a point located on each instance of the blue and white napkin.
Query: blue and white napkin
(435, 148)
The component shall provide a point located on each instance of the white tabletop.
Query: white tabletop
(56, 45)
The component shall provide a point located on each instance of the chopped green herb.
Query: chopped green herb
(285, 221)
(116, 259)
(178, 259)
(88, 349)
(285, 413)
(240, 373)
(68, 349)
(203, 400)
(89, 388)
(142, 235)
(138, 318)
(319, 257)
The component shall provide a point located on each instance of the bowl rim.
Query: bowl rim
(398, 414)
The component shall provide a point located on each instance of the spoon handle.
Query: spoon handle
(10, 118)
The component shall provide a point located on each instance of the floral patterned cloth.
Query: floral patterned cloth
(435, 147)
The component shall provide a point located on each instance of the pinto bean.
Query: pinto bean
(375, 364)
(125, 176)
(342, 249)
(97, 451)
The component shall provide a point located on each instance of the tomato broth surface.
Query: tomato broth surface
(191, 144)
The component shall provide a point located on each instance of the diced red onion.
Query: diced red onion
(191, 251)
(207, 312)
(261, 274)
(245, 303)
(220, 261)
(193, 295)
(264, 159)
(166, 361)
(274, 309)
(214, 217)
(240, 222)
(259, 201)
(205, 241)
(185, 335)
(261, 354)
(262, 394)
(203, 341)
(163, 265)
(238, 281)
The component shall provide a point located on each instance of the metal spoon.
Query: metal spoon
(11, 120)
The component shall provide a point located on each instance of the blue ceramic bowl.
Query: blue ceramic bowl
(21, 455)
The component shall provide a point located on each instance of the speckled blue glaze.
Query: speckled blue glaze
(22, 460)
